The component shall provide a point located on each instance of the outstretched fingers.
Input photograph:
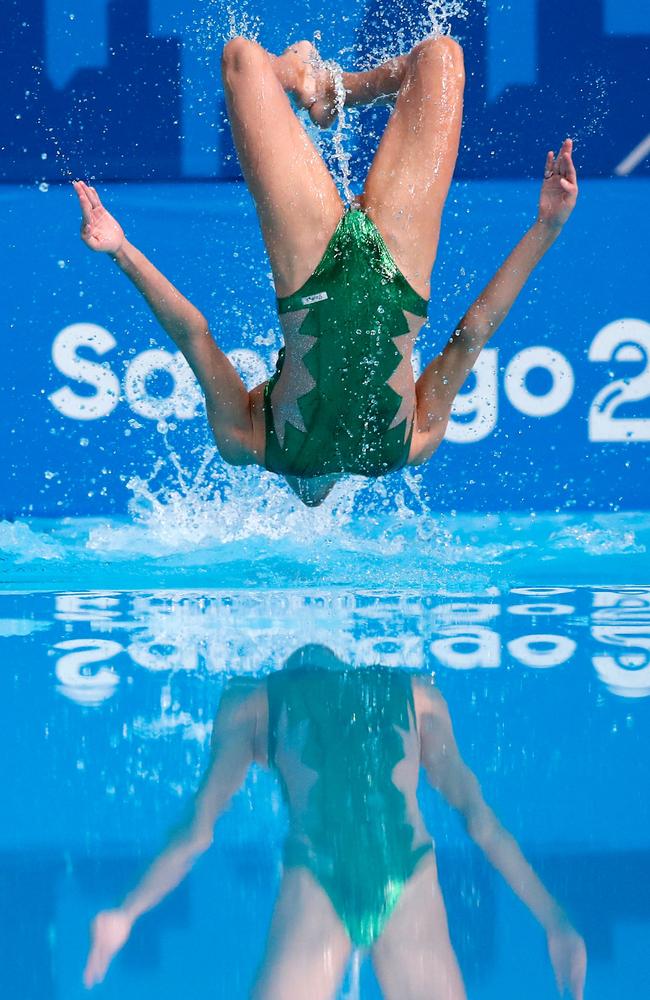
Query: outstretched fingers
(565, 166)
(93, 197)
(550, 164)
(84, 201)
(568, 175)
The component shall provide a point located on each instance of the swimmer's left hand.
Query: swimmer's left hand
(560, 189)
(568, 956)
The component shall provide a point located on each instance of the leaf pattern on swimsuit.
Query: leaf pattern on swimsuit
(342, 398)
(336, 738)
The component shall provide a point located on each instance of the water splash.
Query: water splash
(241, 22)
(341, 156)
(205, 524)
(218, 505)
(402, 29)
(597, 540)
(441, 14)
(219, 22)
(595, 110)
(23, 545)
(224, 22)
(386, 522)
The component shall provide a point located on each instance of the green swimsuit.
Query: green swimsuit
(335, 737)
(347, 418)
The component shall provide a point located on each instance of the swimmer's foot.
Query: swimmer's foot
(309, 80)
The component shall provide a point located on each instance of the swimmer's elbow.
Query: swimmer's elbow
(426, 441)
(235, 456)
(189, 329)
(236, 447)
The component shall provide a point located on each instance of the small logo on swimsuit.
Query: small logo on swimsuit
(310, 299)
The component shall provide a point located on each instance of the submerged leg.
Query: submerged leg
(307, 949)
(409, 179)
(413, 959)
(296, 198)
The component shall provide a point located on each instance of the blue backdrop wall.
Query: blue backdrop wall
(558, 413)
(123, 89)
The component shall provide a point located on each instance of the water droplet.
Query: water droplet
(44, 187)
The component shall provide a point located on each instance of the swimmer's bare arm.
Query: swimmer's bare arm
(229, 405)
(451, 776)
(443, 378)
(233, 750)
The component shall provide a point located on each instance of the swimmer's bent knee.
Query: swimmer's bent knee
(235, 445)
(241, 55)
(440, 52)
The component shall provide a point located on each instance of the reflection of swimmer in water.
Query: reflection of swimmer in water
(359, 866)
(352, 286)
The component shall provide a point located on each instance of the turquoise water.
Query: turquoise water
(270, 542)
(117, 637)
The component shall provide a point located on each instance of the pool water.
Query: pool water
(116, 644)
(120, 635)
(259, 537)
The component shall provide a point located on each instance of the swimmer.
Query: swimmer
(352, 284)
(359, 868)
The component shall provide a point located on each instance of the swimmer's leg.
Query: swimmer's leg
(307, 949)
(409, 180)
(413, 959)
(296, 199)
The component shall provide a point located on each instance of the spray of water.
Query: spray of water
(241, 22)
(223, 21)
(219, 505)
(400, 28)
(334, 145)
(341, 155)
(442, 13)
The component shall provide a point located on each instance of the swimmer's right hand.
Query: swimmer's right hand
(99, 230)
(109, 932)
